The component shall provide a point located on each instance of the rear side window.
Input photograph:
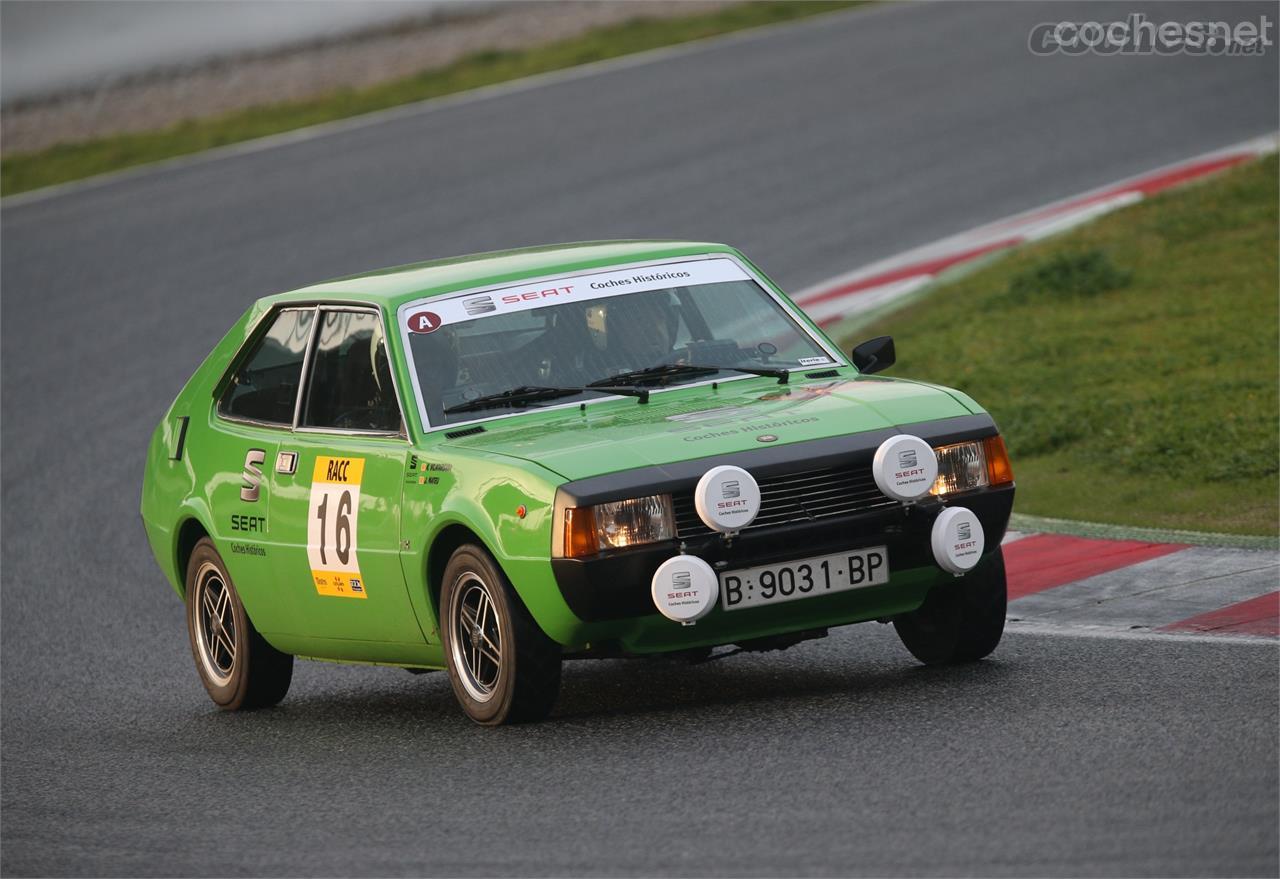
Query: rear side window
(265, 387)
(350, 386)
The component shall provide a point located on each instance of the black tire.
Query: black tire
(237, 666)
(483, 620)
(961, 620)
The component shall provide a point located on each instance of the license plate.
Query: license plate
(804, 578)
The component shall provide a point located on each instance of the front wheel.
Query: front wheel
(503, 667)
(237, 666)
(960, 621)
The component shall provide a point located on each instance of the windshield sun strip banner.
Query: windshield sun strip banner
(432, 314)
(644, 277)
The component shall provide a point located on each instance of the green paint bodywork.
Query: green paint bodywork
(407, 528)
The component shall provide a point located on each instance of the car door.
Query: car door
(253, 412)
(338, 480)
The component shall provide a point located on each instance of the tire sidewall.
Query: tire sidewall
(230, 695)
(986, 605)
(961, 620)
(468, 560)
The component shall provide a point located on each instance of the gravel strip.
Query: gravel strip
(163, 98)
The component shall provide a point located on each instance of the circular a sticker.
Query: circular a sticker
(905, 467)
(957, 540)
(685, 588)
(424, 322)
(727, 499)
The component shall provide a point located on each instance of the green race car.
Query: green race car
(494, 463)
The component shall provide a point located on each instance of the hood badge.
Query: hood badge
(767, 438)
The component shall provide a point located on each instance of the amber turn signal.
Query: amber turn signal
(999, 470)
(579, 533)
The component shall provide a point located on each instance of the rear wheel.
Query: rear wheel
(237, 666)
(503, 667)
(960, 621)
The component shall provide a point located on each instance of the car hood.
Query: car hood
(702, 421)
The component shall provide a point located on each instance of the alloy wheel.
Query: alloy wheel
(477, 638)
(216, 631)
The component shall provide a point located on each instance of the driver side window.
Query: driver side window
(350, 385)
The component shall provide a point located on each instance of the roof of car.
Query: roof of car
(394, 286)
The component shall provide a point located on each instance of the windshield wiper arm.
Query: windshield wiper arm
(651, 373)
(671, 370)
(533, 393)
(510, 397)
(782, 375)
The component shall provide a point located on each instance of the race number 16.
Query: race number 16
(332, 527)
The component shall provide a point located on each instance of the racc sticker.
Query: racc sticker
(333, 527)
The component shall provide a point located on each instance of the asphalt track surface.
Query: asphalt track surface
(816, 148)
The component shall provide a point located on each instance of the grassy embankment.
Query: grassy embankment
(1132, 363)
(61, 163)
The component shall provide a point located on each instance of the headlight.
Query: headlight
(971, 465)
(618, 524)
(961, 467)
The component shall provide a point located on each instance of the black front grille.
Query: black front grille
(797, 497)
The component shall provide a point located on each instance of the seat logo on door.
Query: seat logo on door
(251, 487)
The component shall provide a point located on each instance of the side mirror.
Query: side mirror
(874, 355)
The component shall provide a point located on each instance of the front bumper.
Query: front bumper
(611, 591)
(616, 586)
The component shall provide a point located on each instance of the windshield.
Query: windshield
(568, 334)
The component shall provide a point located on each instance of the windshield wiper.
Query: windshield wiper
(627, 384)
(532, 393)
(673, 370)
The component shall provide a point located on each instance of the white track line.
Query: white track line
(1017, 627)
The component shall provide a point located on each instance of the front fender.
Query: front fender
(507, 505)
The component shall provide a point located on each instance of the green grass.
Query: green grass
(1131, 364)
(58, 164)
